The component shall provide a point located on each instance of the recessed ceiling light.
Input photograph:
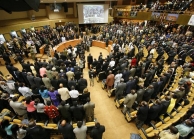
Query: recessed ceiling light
(41, 0)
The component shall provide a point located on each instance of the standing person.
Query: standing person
(54, 96)
(36, 131)
(30, 108)
(128, 102)
(91, 76)
(81, 64)
(120, 88)
(142, 114)
(66, 129)
(64, 110)
(42, 71)
(40, 110)
(46, 81)
(82, 84)
(89, 60)
(97, 131)
(89, 110)
(110, 80)
(44, 94)
(64, 93)
(52, 112)
(80, 130)
(118, 77)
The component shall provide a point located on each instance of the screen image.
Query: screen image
(13, 33)
(92, 13)
(155, 16)
(2, 39)
(172, 17)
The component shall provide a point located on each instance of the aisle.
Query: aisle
(106, 112)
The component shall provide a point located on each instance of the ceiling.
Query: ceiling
(61, 1)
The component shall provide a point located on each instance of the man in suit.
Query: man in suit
(63, 80)
(69, 74)
(78, 74)
(30, 79)
(64, 110)
(71, 83)
(128, 102)
(36, 131)
(80, 130)
(180, 94)
(148, 93)
(140, 94)
(82, 84)
(77, 111)
(120, 89)
(46, 81)
(126, 75)
(66, 129)
(97, 131)
(55, 83)
(165, 103)
(89, 60)
(38, 81)
(49, 73)
(129, 85)
(89, 110)
(18, 107)
(154, 111)
(142, 114)
(110, 80)
(132, 71)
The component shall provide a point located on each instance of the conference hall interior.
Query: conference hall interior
(79, 69)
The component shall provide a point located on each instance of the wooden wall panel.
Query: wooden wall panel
(183, 19)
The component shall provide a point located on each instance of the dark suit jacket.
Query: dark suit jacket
(142, 113)
(140, 94)
(67, 131)
(96, 133)
(147, 95)
(63, 81)
(55, 83)
(82, 84)
(37, 132)
(65, 112)
(90, 59)
(31, 80)
(129, 86)
(165, 105)
(38, 81)
(77, 112)
(71, 83)
(154, 111)
(126, 75)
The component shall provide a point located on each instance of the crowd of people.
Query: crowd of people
(56, 90)
(174, 5)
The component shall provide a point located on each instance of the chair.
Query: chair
(118, 103)
(7, 118)
(90, 124)
(51, 126)
(111, 92)
(41, 124)
(17, 121)
(149, 132)
(130, 116)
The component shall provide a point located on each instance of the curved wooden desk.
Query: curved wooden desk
(60, 47)
(99, 44)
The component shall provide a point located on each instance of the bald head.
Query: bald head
(63, 123)
(61, 85)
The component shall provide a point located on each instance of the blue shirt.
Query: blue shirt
(44, 94)
(8, 130)
(184, 130)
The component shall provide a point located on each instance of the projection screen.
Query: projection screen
(92, 13)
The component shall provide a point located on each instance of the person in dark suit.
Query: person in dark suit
(82, 84)
(180, 94)
(71, 83)
(89, 60)
(129, 85)
(30, 78)
(132, 71)
(38, 81)
(120, 88)
(64, 110)
(97, 131)
(77, 111)
(165, 103)
(66, 129)
(125, 75)
(36, 131)
(105, 65)
(140, 94)
(154, 111)
(55, 83)
(142, 114)
(78, 74)
(148, 93)
(63, 80)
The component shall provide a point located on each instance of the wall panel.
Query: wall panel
(15, 15)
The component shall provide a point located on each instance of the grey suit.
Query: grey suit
(38, 81)
(140, 94)
(119, 90)
(47, 82)
(132, 72)
(31, 80)
(49, 74)
(89, 111)
(18, 107)
(129, 100)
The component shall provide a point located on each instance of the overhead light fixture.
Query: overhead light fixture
(55, 10)
(110, 6)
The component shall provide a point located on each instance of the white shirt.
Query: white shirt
(74, 93)
(152, 51)
(118, 77)
(25, 91)
(63, 39)
(112, 63)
